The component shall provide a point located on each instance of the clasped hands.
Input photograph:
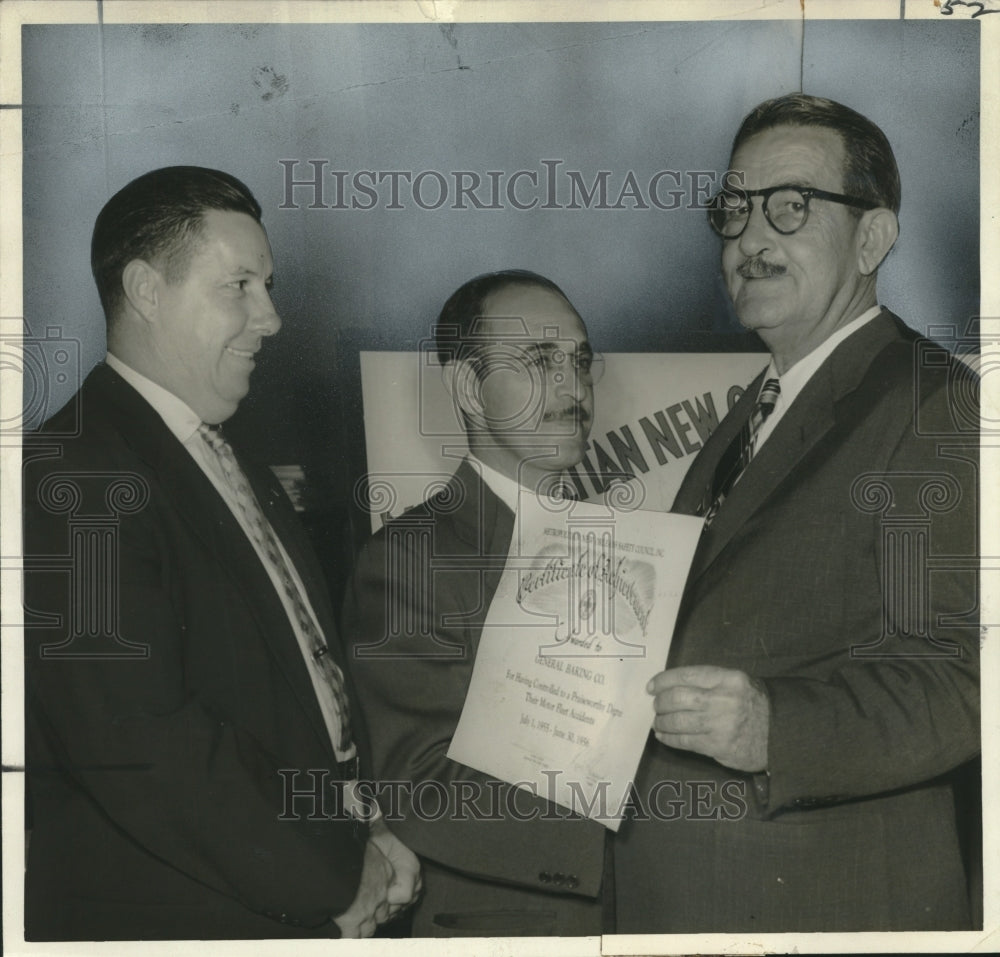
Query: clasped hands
(390, 881)
(718, 712)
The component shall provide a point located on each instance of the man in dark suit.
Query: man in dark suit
(497, 859)
(189, 733)
(825, 660)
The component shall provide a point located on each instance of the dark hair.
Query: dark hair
(870, 170)
(465, 305)
(156, 217)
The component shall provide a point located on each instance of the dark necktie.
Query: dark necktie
(264, 537)
(740, 451)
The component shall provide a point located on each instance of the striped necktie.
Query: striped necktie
(741, 450)
(263, 536)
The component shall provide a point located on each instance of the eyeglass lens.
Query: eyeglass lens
(785, 210)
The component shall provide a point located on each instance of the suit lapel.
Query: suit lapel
(485, 526)
(111, 399)
(197, 504)
(695, 494)
(811, 416)
(483, 521)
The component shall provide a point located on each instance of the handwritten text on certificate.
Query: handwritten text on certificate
(581, 620)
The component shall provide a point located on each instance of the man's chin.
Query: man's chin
(221, 408)
(760, 303)
(568, 456)
(756, 315)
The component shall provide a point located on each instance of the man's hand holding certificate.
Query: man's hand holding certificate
(581, 620)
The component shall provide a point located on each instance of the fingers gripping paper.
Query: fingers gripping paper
(581, 620)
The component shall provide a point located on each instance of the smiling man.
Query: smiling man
(188, 673)
(497, 861)
(825, 658)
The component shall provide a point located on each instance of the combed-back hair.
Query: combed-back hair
(456, 322)
(158, 217)
(870, 170)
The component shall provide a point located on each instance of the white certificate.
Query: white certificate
(580, 622)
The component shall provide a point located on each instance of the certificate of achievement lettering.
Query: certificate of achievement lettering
(580, 622)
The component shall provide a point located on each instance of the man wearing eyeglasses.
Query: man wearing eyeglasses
(825, 660)
(497, 861)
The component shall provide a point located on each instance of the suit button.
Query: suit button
(559, 878)
(572, 881)
(545, 877)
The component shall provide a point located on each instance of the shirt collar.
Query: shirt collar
(509, 491)
(177, 415)
(793, 379)
(505, 488)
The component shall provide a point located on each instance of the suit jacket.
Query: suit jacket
(496, 860)
(841, 571)
(155, 744)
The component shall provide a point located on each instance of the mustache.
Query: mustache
(757, 268)
(575, 412)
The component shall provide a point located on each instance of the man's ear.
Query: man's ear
(460, 379)
(141, 283)
(877, 232)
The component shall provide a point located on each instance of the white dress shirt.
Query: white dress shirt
(507, 489)
(795, 377)
(183, 422)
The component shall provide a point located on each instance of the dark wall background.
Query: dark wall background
(102, 105)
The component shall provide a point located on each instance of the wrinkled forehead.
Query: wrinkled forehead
(791, 155)
(530, 316)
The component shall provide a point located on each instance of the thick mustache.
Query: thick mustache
(577, 412)
(757, 268)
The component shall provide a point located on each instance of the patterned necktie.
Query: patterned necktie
(740, 451)
(263, 535)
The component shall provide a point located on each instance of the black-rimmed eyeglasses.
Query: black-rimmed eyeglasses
(786, 208)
